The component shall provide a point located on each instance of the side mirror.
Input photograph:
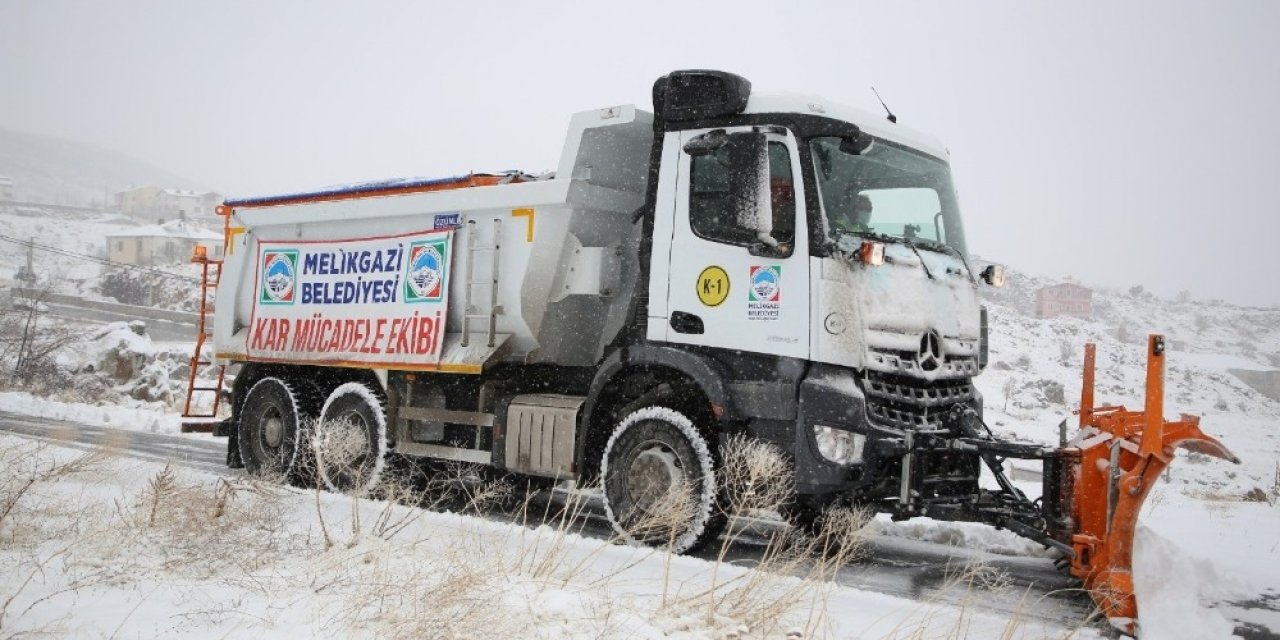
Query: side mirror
(857, 144)
(993, 275)
(748, 153)
(707, 143)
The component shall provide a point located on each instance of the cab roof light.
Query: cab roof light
(697, 94)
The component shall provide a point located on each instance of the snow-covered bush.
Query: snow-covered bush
(175, 287)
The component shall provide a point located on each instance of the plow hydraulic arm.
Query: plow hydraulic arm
(1109, 467)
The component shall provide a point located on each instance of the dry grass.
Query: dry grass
(28, 465)
(392, 566)
(787, 584)
(755, 476)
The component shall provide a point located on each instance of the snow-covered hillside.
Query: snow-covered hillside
(62, 172)
(1033, 379)
(1210, 527)
(70, 256)
(69, 233)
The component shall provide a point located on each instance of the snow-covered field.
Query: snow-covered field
(70, 257)
(94, 552)
(1211, 529)
(103, 546)
(70, 233)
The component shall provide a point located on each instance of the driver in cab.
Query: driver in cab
(855, 218)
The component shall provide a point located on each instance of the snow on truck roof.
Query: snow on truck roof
(393, 186)
(874, 124)
(758, 103)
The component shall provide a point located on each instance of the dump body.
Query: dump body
(565, 252)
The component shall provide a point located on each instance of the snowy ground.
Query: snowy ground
(68, 232)
(1212, 529)
(109, 546)
(70, 255)
(1208, 558)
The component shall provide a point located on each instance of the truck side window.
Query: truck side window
(710, 207)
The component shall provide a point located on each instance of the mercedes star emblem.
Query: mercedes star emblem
(930, 355)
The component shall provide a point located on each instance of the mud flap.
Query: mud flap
(1107, 471)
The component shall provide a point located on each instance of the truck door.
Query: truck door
(719, 294)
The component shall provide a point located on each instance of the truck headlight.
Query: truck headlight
(838, 445)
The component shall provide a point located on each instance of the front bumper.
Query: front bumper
(906, 424)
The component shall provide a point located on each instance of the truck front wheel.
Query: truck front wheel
(660, 482)
(271, 427)
(351, 439)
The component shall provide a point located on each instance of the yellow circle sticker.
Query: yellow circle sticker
(713, 286)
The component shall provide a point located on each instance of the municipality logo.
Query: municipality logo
(426, 278)
(766, 284)
(279, 277)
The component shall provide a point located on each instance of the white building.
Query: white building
(161, 205)
(6, 188)
(165, 243)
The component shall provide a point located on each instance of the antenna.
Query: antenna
(892, 118)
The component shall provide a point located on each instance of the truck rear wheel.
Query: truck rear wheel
(659, 481)
(271, 427)
(351, 439)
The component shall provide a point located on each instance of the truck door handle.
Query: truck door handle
(684, 322)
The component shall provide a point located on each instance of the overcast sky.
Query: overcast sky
(1119, 143)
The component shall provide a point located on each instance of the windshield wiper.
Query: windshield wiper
(912, 246)
(884, 237)
(940, 247)
(868, 235)
(912, 242)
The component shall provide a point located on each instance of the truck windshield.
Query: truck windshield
(888, 191)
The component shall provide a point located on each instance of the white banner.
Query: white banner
(380, 301)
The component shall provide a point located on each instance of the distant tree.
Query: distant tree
(28, 341)
(1136, 290)
(1202, 322)
(1184, 296)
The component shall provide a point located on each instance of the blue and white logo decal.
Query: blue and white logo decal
(279, 277)
(425, 281)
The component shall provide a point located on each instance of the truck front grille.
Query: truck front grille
(894, 360)
(910, 403)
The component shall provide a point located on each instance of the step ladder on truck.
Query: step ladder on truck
(198, 416)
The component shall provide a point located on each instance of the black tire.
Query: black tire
(650, 451)
(271, 427)
(350, 443)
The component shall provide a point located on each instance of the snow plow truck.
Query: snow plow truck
(777, 266)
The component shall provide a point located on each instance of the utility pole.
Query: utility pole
(27, 274)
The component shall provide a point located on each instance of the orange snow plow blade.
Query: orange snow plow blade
(1113, 463)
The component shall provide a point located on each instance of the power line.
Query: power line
(85, 256)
